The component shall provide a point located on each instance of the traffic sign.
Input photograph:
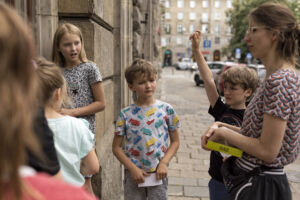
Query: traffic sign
(237, 53)
(207, 43)
(249, 56)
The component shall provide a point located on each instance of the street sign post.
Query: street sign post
(237, 53)
(207, 44)
(249, 57)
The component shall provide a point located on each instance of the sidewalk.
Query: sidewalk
(188, 176)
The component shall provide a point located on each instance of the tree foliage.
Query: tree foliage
(238, 22)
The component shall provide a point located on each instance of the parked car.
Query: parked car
(219, 82)
(261, 71)
(215, 67)
(184, 64)
(193, 67)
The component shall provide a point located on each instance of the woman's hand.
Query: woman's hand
(69, 112)
(162, 170)
(196, 38)
(212, 133)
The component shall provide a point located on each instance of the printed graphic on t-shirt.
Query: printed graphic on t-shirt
(146, 131)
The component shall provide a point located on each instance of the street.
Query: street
(188, 176)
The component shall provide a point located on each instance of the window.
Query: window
(178, 40)
(168, 28)
(167, 4)
(168, 15)
(204, 3)
(228, 4)
(217, 4)
(228, 30)
(217, 28)
(179, 28)
(204, 28)
(217, 40)
(180, 15)
(192, 3)
(180, 3)
(192, 16)
(204, 17)
(192, 28)
(217, 16)
(168, 40)
(163, 42)
(228, 17)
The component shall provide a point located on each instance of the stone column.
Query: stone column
(96, 19)
(45, 24)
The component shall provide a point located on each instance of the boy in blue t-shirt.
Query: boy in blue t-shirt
(145, 126)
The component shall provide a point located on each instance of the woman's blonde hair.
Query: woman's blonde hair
(50, 78)
(63, 29)
(17, 102)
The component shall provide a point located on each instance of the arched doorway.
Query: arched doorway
(217, 55)
(167, 58)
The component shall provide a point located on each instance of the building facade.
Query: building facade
(182, 17)
(115, 32)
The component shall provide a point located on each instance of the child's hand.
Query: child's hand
(196, 38)
(161, 171)
(138, 175)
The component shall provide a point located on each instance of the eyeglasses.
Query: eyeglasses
(251, 30)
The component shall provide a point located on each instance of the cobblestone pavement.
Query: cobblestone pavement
(188, 177)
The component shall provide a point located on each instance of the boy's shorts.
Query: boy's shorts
(133, 192)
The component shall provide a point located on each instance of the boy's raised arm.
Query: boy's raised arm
(207, 76)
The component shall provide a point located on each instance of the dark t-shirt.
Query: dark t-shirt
(49, 164)
(221, 112)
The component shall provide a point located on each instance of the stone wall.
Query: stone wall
(114, 32)
(96, 20)
(146, 31)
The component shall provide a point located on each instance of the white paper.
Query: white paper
(150, 181)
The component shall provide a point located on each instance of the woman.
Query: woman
(270, 132)
(17, 88)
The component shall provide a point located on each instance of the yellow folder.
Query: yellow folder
(224, 148)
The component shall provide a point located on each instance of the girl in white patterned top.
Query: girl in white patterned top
(83, 77)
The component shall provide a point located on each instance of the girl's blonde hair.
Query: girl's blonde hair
(63, 29)
(17, 102)
(50, 78)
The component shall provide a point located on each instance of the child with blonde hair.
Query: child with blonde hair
(72, 138)
(83, 77)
